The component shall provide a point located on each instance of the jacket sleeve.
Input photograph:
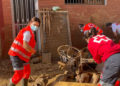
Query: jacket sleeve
(94, 53)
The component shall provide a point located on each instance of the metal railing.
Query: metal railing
(86, 2)
(23, 11)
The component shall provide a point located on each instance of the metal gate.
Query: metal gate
(22, 12)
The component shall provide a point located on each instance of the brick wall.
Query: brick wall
(1, 28)
(6, 4)
(7, 27)
(98, 14)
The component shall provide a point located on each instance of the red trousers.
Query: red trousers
(19, 74)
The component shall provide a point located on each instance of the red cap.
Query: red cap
(88, 26)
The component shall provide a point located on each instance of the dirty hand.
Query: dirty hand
(33, 51)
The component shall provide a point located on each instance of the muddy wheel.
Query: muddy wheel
(68, 52)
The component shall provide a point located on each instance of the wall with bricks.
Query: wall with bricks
(6, 33)
(1, 28)
(98, 14)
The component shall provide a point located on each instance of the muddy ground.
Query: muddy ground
(37, 70)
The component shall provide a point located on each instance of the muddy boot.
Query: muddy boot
(11, 84)
(24, 82)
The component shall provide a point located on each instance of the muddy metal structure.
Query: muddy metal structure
(73, 62)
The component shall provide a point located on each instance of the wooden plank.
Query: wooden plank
(73, 84)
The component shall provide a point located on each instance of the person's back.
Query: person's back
(101, 47)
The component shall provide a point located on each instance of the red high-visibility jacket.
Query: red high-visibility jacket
(102, 47)
(17, 45)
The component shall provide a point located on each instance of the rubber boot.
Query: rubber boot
(24, 82)
(11, 84)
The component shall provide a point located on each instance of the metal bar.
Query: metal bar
(68, 1)
(22, 12)
(32, 5)
(13, 20)
(16, 4)
(27, 10)
(73, 1)
(31, 8)
(14, 10)
(23, 8)
(38, 32)
(81, 1)
(29, 13)
(17, 10)
(77, 1)
(69, 33)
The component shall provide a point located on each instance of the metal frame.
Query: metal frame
(13, 25)
(69, 32)
(42, 32)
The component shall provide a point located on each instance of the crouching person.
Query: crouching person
(103, 49)
(20, 52)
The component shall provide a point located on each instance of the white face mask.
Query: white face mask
(34, 28)
(81, 30)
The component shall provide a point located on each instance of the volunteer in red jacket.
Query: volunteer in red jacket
(103, 49)
(88, 26)
(20, 52)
